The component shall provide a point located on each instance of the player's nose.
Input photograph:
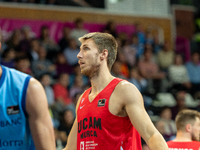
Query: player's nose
(80, 55)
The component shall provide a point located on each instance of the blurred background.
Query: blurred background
(159, 49)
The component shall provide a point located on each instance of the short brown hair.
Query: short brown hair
(185, 117)
(103, 41)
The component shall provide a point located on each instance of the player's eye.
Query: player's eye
(85, 48)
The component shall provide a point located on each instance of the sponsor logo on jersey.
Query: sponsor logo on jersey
(10, 143)
(87, 125)
(11, 122)
(12, 110)
(101, 102)
(82, 145)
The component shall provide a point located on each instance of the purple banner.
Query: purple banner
(55, 27)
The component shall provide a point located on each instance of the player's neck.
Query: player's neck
(99, 82)
(182, 137)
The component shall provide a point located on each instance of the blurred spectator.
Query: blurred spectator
(149, 47)
(160, 126)
(111, 28)
(178, 75)
(64, 41)
(67, 118)
(116, 71)
(137, 80)
(123, 36)
(71, 52)
(66, 121)
(63, 137)
(45, 80)
(8, 57)
(130, 54)
(14, 40)
(61, 90)
(58, 137)
(193, 68)
(180, 103)
(22, 64)
(139, 30)
(124, 66)
(165, 57)
(43, 65)
(169, 123)
(150, 71)
(139, 47)
(182, 45)
(76, 97)
(3, 43)
(61, 65)
(141, 84)
(50, 45)
(34, 50)
(157, 45)
(77, 87)
(78, 31)
(149, 38)
(120, 44)
(25, 44)
(77, 72)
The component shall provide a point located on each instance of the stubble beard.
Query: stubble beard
(92, 71)
(194, 138)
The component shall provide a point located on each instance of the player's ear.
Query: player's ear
(188, 127)
(104, 54)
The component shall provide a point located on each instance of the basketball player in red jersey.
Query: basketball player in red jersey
(110, 112)
(188, 131)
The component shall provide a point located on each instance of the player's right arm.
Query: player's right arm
(132, 101)
(38, 116)
(72, 139)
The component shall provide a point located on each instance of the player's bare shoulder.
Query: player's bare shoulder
(34, 86)
(35, 89)
(127, 91)
(126, 87)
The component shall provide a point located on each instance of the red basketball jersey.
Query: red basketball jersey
(194, 145)
(98, 129)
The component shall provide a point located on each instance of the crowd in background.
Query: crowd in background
(153, 67)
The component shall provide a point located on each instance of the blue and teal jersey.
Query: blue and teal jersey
(14, 126)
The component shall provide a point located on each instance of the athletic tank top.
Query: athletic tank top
(14, 128)
(193, 145)
(99, 129)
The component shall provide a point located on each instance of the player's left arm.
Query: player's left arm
(134, 106)
(39, 117)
